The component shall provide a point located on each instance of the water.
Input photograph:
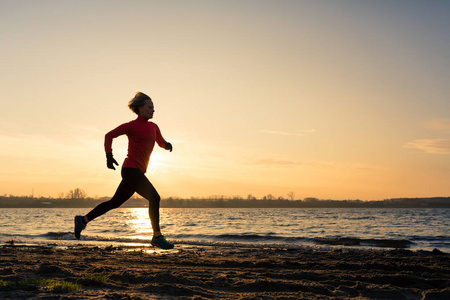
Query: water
(414, 229)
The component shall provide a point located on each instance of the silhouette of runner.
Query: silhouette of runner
(142, 136)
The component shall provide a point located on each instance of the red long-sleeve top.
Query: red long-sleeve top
(142, 136)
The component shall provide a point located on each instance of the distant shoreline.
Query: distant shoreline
(31, 202)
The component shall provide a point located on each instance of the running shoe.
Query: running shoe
(162, 243)
(79, 226)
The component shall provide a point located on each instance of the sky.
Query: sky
(327, 99)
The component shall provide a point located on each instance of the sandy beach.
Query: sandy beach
(44, 272)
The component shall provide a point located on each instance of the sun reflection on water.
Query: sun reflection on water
(139, 222)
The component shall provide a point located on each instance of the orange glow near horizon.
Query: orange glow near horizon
(325, 100)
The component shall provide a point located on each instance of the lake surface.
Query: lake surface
(414, 229)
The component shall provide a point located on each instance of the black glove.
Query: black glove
(110, 161)
(168, 146)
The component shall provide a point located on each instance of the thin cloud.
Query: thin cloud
(441, 124)
(433, 146)
(276, 162)
(330, 165)
(301, 133)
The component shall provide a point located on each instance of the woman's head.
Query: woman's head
(141, 104)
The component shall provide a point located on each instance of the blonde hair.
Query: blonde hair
(138, 101)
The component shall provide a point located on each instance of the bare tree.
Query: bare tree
(77, 194)
(291, 195)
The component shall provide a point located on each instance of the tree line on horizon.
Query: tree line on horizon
(78, 198)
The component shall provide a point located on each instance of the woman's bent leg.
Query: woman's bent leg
(146, 190)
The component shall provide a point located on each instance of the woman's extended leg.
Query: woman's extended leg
(126, 189)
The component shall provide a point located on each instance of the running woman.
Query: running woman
(142, 136)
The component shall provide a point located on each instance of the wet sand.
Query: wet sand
(222, 273)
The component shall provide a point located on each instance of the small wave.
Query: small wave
(444, 238)
(249, 238)
(269, 238)
(244, 238)
(257, 238)
(57, 235)
(384, 243)
(362, 218)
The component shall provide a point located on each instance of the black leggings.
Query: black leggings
(133, 180)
